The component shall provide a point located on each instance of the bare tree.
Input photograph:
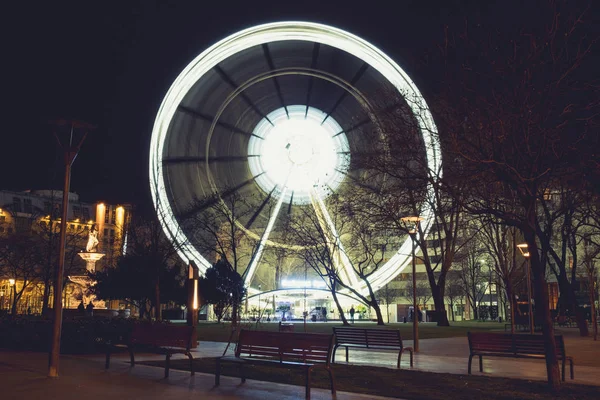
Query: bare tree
(423, 293)
(454, 292)
(19, 255)
(529, 127)
(388, 296)
(215, 227)
(500, 243)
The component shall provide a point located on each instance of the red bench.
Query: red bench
(160, 339)
(378, 339)
(306, 351)
(515, 346)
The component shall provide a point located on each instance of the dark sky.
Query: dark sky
(111, 62)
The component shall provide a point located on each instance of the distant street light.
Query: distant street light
(13, 296)
(524, 249)
(411, 224)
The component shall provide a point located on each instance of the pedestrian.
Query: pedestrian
(81, 308)
(352, 314)
(89, 309)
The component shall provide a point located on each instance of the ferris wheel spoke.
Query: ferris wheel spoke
(263, 240)
(269, 60)
(341, 261)
(243, 95)
(313, 65)
(210, 118)
(355, 79)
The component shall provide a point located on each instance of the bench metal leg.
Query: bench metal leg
(399, 357)
(131, 357)
(242, 375)
(191, 362)
(331, 380)
(107, 362)
(571, 364)
(480, 364)
(307, 383)
(167, 365)
(333, 354)
(346, 353)
(218, 373)
(470, 360)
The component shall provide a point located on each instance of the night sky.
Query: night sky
(111, 62)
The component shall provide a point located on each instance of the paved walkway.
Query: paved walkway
(23, 375)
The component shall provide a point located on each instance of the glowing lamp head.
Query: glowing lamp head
(301, 150)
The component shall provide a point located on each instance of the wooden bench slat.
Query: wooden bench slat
(287, 349)
(160, 339)
(517, 346)
(381, 339)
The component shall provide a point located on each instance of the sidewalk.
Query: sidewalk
(23, 375)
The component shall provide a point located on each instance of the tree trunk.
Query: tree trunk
(15, 300)
(378, 313)
(568, 294)
(593, 302)
(157, 315)
(440, 307)
(46, 296)
(512, 304)
(340, 309)
(541, 301)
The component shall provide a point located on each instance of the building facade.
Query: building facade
(30, 224)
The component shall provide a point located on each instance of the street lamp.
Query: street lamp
(12, 295)
(259, 312)
(70, 149)
(411, 224)
(524, 249)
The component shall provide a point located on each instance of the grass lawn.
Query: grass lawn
(406, 384)
(211, 331)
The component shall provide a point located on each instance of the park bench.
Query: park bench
(284, 349)
(160, 339)
(515, 346)
(377, 339)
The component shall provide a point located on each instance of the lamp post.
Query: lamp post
(524, 249)
(411, 224)
(259, 312)
(70, 150)
(12, 297)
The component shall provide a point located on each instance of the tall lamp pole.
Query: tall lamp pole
(411, 224)
(11, 304)
(524, 249)
(70, 150)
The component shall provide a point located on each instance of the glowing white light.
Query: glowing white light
(289, 31)
(299, 152)
(294, 283)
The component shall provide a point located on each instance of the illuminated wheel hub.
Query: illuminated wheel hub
(296, 151)
(275, 113)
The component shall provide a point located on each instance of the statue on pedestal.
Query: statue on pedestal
(92, 243)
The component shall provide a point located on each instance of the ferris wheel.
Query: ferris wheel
(275, 112)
